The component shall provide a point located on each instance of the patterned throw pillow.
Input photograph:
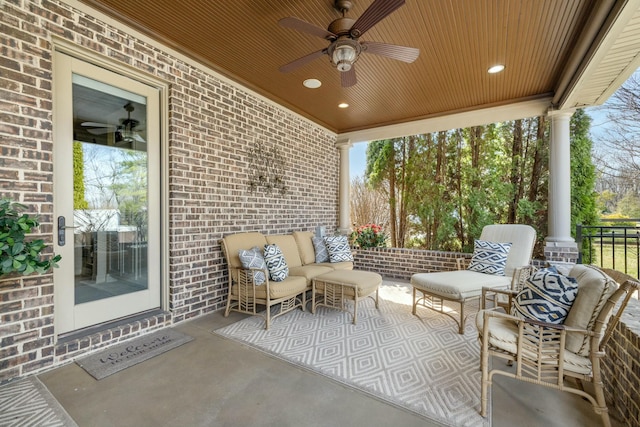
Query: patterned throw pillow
(489, 257)
(252, 258)
(321, 249)
(547, 296)
(276, 264)
(338, 248)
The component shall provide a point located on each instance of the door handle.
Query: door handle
(61, 228)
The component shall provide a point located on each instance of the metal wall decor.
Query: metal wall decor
(266, 170)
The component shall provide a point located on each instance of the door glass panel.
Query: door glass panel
(110, 190)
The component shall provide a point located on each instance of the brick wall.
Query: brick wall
(212, 125)
(557, 252)
(401, 263)
(621, 370)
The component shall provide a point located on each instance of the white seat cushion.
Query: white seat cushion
(459, 284)
(503, 334)
(365, 281)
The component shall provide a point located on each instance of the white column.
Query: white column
(559, 227)
(344, 220)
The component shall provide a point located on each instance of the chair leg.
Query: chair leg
(377, 300)
(228, 309)
(602, 404)
(461, 326)
(413, 310)
(484, 366)
(355, 305)
(267, 319)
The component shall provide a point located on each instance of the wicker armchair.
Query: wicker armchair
(550, 354)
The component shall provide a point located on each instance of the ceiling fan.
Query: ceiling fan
(344, 34)
(125, 132)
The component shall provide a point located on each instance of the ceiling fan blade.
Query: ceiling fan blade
(305, 27)
(101, 131)
(348, 78)
(302, 61)
(138, 138)
(376, 12)
(96, 125)
(400, 53)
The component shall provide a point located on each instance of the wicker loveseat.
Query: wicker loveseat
(284, 296)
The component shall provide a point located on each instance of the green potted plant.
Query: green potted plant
(16, 254)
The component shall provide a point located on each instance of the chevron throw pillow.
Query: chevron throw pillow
(276, 264)
(547, 296)
(489, 257)
(252, 258)
(338, 248)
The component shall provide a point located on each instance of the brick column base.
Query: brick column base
(563, 252)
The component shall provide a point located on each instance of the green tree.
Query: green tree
(432, 200)
(583, 173)
(629, 205)
(444, 187)
(389, 167)
(79, 201)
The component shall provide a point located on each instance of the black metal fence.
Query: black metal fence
(614, 244)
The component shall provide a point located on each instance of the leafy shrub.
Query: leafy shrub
(368, 236)
(16, 254)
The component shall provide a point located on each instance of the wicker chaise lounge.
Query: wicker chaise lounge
(430, 290)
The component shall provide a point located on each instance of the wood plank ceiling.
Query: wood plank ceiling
(458, 41)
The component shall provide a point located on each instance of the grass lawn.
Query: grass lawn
(615, 257)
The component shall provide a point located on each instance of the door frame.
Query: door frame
(82, 54)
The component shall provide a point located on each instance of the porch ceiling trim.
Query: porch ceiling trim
(621, 25)
(488, 114)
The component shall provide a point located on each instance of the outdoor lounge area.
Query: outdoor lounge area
(140, 134)
(216, 379)
(207, 382)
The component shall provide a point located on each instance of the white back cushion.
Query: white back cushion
(522, 238)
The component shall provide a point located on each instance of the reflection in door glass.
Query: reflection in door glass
(110, 190)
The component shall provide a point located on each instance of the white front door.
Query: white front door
(106, 194)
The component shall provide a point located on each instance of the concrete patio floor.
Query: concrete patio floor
(213, 381)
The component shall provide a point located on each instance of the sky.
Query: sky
(357, 159)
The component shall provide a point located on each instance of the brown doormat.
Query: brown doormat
(122, 356)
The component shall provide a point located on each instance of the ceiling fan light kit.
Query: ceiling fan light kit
(126, 131)
(343, 35)
(344, 52)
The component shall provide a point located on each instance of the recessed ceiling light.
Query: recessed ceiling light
(312, 83)
(343, 105)
(495, 69)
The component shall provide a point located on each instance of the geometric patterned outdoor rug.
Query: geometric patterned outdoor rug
(28, 403)
(420, 363)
